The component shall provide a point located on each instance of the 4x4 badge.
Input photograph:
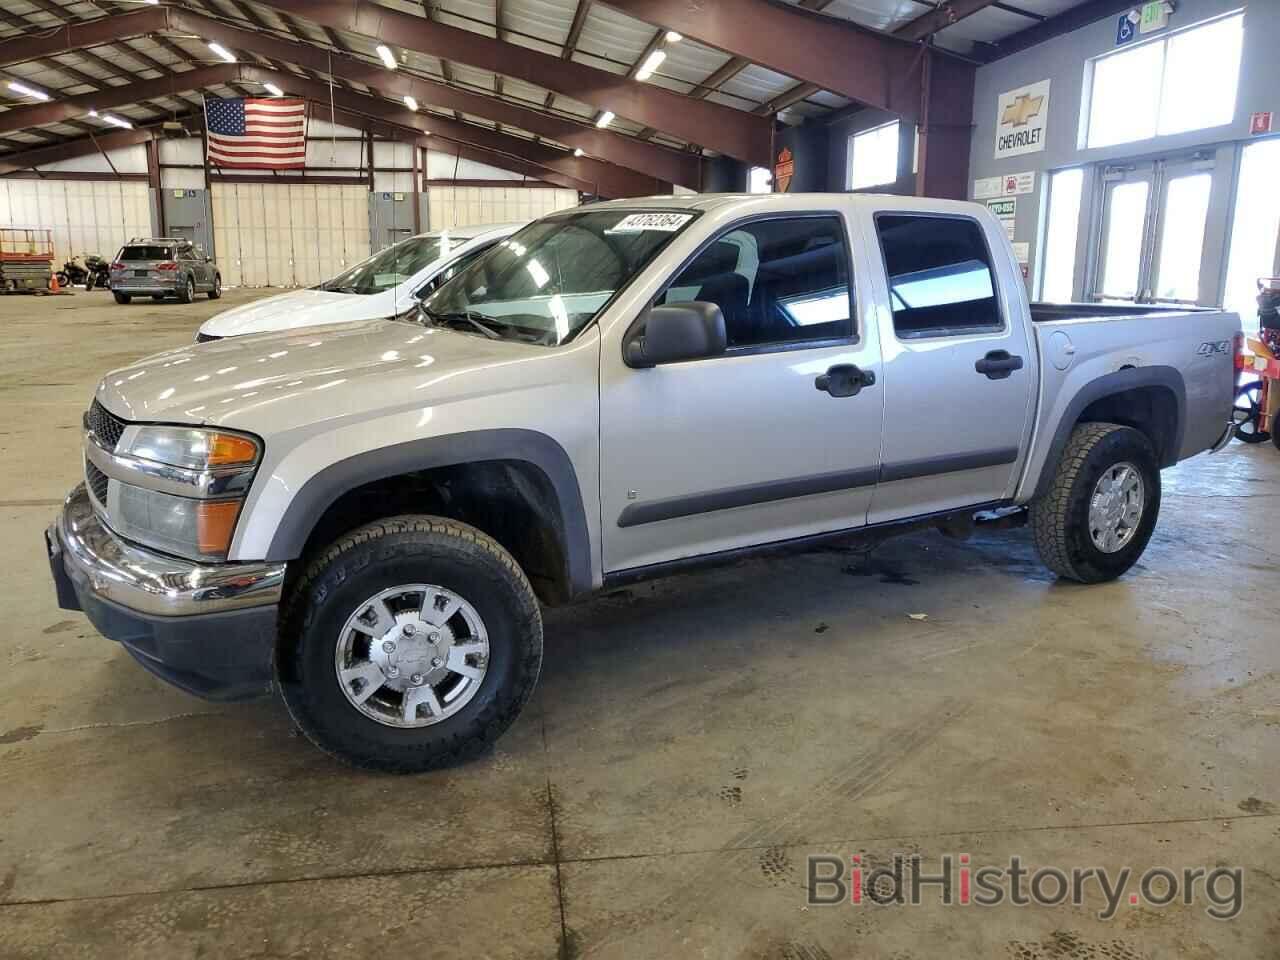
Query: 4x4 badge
(1210, 347)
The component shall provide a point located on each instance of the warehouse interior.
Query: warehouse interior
(707, 756)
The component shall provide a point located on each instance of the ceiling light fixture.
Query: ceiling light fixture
(222, 52)
(577, 151)
(24, 90)
(651, 63)
(606, 118)
(388, 58)
(273, 90)
(116, 121)
(411, 103)
(673, 37)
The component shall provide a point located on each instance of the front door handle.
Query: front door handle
(844, 380)
(998, 364)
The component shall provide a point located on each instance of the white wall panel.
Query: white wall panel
(293, 234)
(459, 206)
(85, 216)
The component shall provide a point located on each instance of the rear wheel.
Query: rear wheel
(121, 297)
(216, 290)
(409, 644)
(1099, 513)
(187, 292)
(1248, 413)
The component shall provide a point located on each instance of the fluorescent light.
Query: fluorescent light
(409, 102)
(387, 56)
(606, 118)
(116, 121)
(273, 90)
(577, 151)
(26, 91)
(673, 37)
(222, 52)
(651, 63)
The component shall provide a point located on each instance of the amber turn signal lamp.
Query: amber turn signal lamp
(215, 523)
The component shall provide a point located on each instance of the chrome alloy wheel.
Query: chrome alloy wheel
(412, 655)
(1115, 510)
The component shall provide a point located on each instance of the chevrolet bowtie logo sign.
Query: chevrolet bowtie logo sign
(1020, 112)
(1021, 116)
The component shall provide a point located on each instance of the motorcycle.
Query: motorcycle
(99, 271)
(71, 274)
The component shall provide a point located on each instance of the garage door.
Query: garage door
(86, 216)
(286, 235)
(465, 206)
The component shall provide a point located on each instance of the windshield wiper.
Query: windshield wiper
(346, 289)
(471, 317)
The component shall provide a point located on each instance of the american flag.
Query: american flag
(260, 132)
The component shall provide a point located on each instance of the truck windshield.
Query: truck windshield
(394, 265)
(547, 282)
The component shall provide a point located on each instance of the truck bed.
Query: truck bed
(1043, 311)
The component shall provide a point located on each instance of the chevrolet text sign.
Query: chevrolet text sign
(1021, 117)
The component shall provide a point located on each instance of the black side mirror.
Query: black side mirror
(676, 332)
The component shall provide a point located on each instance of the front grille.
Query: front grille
(106, 426)
(97, 481)
(205, 337)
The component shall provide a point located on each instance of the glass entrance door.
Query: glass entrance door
(1154, 218)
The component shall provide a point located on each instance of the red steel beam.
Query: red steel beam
(78, 34)
(12, 162)
(609, 180)
(943, 16)
(655, 161)
(57, 111)
(869, 67)
(720, 128)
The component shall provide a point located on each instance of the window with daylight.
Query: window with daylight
(759, 180)
(873, 157)
(1183, 81)
(1060, 235)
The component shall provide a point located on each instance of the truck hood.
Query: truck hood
(299, 308)
(274, 381)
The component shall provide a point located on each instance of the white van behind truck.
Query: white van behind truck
(387, 284)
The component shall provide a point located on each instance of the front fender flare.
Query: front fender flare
(529, 446)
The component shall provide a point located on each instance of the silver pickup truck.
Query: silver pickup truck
(368, 516)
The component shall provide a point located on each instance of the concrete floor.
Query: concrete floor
(690, 743)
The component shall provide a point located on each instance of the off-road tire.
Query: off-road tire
(187, 292)
(408, 549)
(216, 290)
(121, 297)
(1060, 518)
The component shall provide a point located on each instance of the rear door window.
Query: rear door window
(940, 278)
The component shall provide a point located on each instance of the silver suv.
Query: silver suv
(162, 267)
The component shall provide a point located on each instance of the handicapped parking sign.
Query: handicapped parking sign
(1126, 29)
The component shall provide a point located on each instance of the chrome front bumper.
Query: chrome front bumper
(151, 584)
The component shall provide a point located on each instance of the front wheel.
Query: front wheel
(121, 297)
(409, 644)
(1098, 515)
(62, 278)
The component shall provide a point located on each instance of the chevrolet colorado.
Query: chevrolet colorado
(368, 516)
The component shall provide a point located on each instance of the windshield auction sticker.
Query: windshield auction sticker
(661, 222)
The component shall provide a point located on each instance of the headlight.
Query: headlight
(180, 489)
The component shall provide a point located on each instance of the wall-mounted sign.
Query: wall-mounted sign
(1021, 118)
(1006, 211)
(1022, 253)
(1010, 185)
(1155, 16)
(1260, 123)
(178, 194)
(784, 170)
(1126, 28)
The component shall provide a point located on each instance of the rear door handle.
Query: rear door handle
(998, 364)
(844, 380)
